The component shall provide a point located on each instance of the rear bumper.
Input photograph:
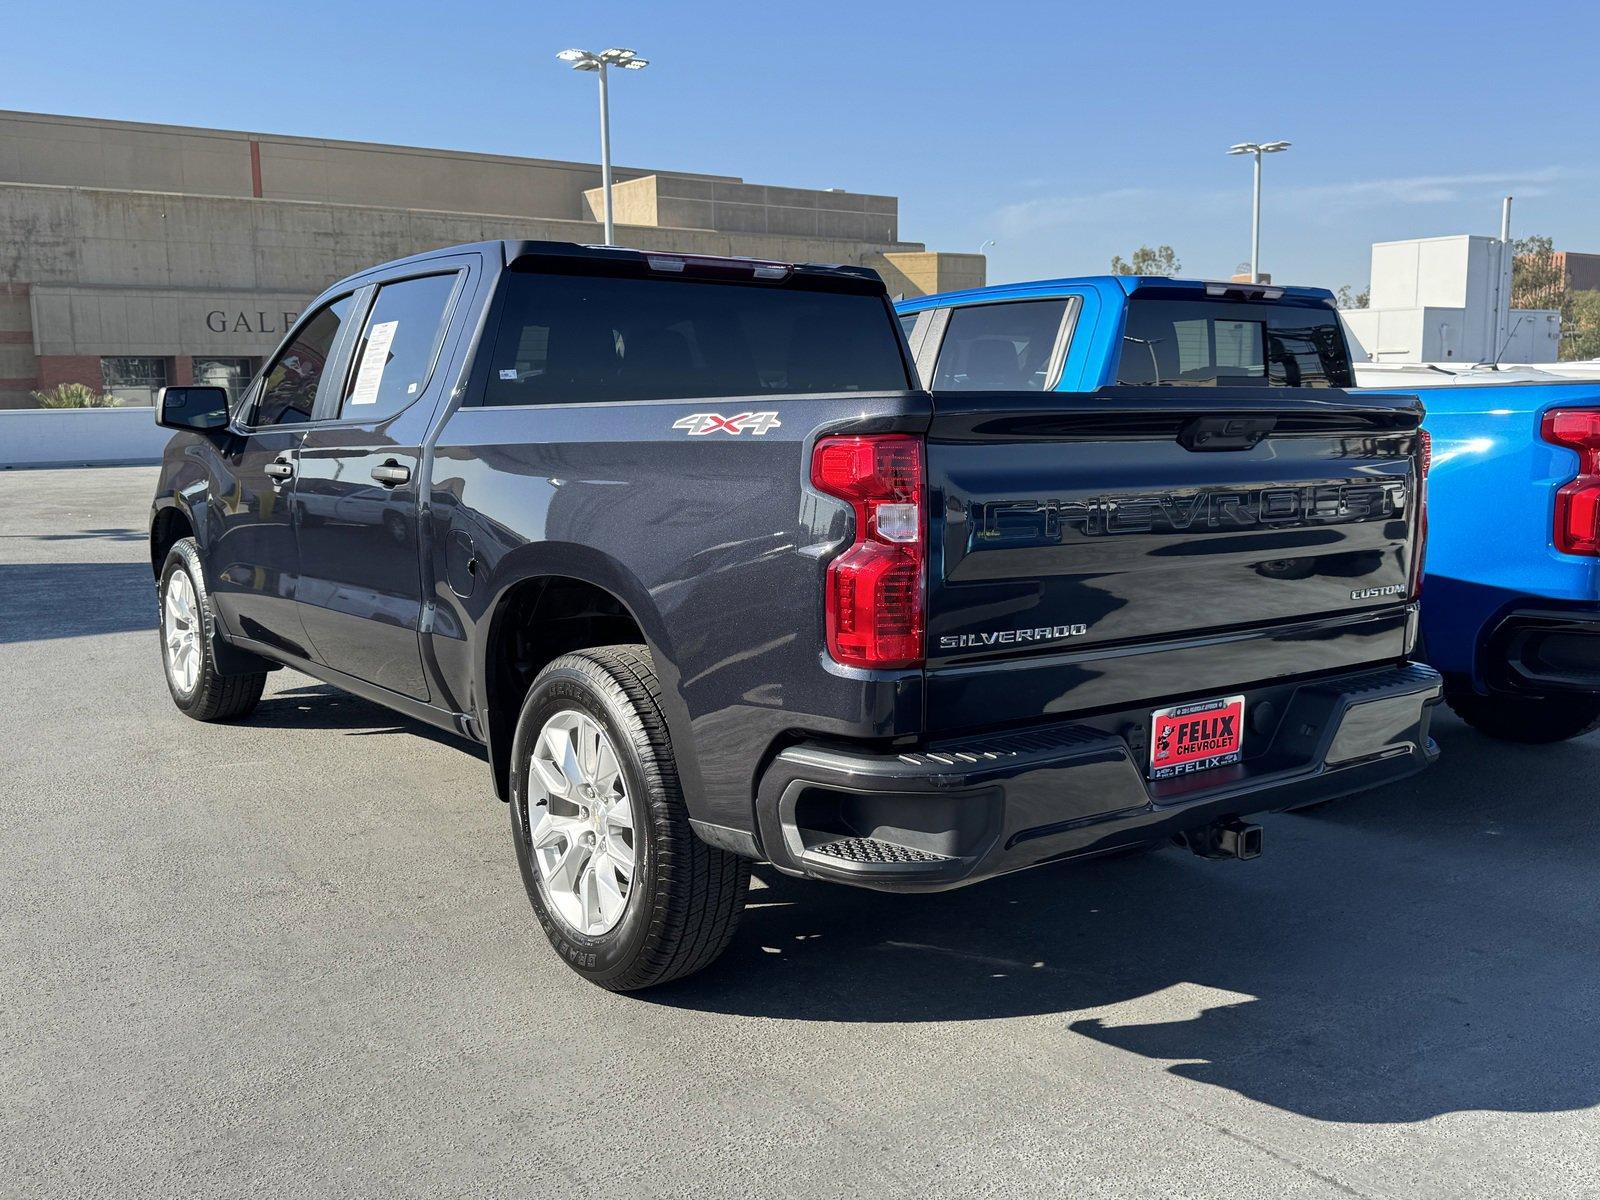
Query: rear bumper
(970, 809)
(1545, 651)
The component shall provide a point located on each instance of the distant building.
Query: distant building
(1581, 272)
(1447, 299)
(140, 255)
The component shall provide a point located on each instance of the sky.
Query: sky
(1065, 132)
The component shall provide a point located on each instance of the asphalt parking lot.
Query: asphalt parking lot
(293, 957)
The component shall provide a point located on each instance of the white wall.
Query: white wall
(1535, 336)
(1443, 335)
(1449, 286)
(39, 437)
(1441, 272)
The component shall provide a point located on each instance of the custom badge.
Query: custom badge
(700, 424)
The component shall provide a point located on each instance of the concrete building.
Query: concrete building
(1447, 299)
(136, 255)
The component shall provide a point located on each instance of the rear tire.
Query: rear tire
(186, 630)
(1533, 720)
(626, 892)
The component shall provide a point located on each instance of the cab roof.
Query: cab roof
(1117, 287)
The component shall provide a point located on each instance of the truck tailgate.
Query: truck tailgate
(1111, 549)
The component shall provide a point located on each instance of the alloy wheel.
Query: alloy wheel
(180, 631)
(581, 823)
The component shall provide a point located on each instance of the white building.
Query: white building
(1447, 300)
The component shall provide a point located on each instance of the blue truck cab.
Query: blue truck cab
(1121, 330)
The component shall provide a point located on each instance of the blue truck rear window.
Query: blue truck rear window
(1207, 342)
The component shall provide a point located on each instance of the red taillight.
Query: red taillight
(874, 590)
(1577, 527)
(1424, 465)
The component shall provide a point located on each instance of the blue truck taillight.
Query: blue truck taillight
(874, 592)
(1424, 465)
(1577, 523)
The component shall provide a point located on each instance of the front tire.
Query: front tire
(187, 628)
(626, 892)
(1533, 720)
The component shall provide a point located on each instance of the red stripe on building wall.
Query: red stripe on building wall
(15, 337)
(255, 169)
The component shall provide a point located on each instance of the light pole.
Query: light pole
(584, 60)
(1257, 149)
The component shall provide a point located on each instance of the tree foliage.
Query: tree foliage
(1581, 339)
(1145, 261)
(1539, 280)
(1346, 298)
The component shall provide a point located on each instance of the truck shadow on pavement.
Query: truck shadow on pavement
(41, 601)
(314, 705)
(1424, 949)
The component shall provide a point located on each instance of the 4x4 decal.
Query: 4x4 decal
(700, 424)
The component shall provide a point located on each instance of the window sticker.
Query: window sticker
(373, 361)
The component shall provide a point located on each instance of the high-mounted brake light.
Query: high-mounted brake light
(705, 264)
(1424, 465)
(1577, 523)
(873, 600)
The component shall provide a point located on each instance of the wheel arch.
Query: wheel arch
(169, 524)
(554, 599)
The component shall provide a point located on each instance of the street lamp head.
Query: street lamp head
(1273, 147)
(581, 60)
(627, 60)
(587, 60)
(1243, 148)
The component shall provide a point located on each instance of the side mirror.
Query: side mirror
(201, 408)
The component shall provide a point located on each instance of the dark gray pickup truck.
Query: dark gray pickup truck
(683, 544)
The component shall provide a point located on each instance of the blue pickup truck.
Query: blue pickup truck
(1511, 601)
(1511, 605)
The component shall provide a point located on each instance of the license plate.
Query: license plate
(1196, 737)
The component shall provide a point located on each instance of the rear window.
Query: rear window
(1212, 342)
(568, 339)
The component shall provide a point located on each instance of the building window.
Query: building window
(134, 381)
(230, 374)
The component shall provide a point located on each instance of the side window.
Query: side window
(398, 346)
(908, 323)
(1001, 347)
(289, 387)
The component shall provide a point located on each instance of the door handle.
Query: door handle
(391, 474)
(279, 470)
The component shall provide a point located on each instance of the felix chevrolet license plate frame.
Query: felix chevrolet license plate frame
(1199, 736)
